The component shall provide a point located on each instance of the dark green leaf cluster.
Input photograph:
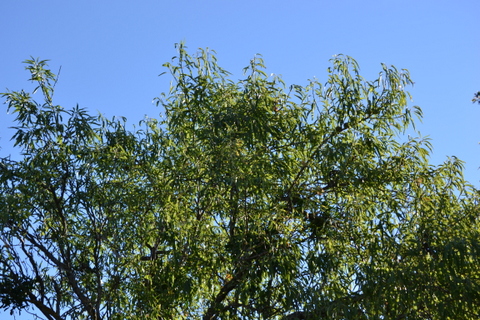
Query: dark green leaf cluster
(476, 97)
(14, 293)
(247, 200)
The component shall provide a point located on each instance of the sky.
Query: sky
(111, 53)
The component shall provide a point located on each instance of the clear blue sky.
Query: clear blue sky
(112, 51)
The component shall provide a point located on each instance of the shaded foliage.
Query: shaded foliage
(476, 97)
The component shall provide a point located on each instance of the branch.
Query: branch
(69, 273)
(321, 311)
(298, 315)
(48, 312)
(224, 291)
(211, 313)
(154, 252)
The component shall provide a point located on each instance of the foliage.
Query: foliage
(249, 200)
(476, 97)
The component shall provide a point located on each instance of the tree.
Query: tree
(249, 200)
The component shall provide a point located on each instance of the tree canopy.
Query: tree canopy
(246, 199)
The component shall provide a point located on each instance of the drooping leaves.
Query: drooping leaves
(248, 200)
